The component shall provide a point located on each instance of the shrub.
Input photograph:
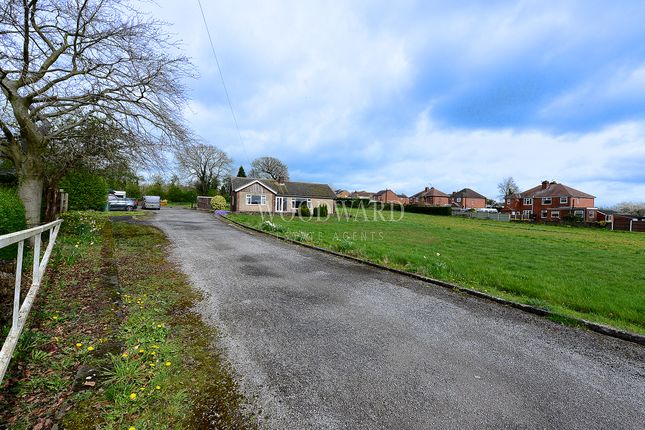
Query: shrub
(303, 210)
(429, 210)
(271, 227)
(219, 203)
(320, 211)
(82, 223)
(12, 218)
(86, 191)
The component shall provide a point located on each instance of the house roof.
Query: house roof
(468, 193)
(362, 193)
(430, 192)
(292, 189)
(403, 196)
(553, 189)
(341, 191)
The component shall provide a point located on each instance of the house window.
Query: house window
(543, 214)
(580, 214)
(508, 201)
(564, 200)
(591, 214)
(256, 199)
(527, 212)
(546, 201)
(555, 214)
(528, 201)
(458, 199)
(296, 202)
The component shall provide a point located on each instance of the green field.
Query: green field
(587, 273)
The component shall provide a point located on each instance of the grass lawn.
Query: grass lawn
(588, 273)
(153, 364)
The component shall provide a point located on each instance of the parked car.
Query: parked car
(121, 203)
(151, 202)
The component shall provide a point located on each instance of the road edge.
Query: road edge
(593, 326)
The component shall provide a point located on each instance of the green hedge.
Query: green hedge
(12, 218)
(86, 191)
(429, 210)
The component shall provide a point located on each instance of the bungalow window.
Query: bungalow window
(297, 202)
(546, 201)
(564, 200)
(528, 201)
(543, 214)
(256, 199)
(555, 214)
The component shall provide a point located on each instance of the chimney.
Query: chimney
(545, 185)
(427, 189)
(280, 180)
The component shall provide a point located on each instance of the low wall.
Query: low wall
(204, 202)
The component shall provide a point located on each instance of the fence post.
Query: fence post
(36, 265)
(18, 284)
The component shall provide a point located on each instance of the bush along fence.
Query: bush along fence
(20, 312)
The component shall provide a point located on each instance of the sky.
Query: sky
(368, 95)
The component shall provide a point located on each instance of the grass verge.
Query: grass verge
(112, 342)
(584, 273)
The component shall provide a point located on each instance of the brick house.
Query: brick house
(363, 195)
(430, 196)
(269, 196)
(467, 199)
(389, 196)
(551, 201)
(342, 194)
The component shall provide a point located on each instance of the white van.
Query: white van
(151, 202)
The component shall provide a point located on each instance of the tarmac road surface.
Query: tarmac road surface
(325, 343)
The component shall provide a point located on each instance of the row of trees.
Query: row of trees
(95, 85)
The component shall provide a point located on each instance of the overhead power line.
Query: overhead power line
(221, 75)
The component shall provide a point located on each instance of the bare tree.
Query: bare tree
(205, 164)
(630, 208)
(65, 62)
(507, 188)
(269, 168)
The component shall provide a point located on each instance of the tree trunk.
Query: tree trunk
(30, 190)
(52, 202)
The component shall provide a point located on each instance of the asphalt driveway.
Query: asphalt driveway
(327, 343)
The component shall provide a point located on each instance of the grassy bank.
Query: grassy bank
(112, 343)
(586, 273)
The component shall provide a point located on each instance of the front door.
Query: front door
(280, 204)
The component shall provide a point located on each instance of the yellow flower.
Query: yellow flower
(124, 355)
(133, 396)
(142, 350)
(90, 348)
(132, 428)
(157, 387)
(155, 346)
(78, 345)
(152, 365)
(159, 325)
(142, 388)
(168, 363)
(152, 353)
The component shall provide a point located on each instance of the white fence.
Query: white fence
(20, 312)
(497, 216)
